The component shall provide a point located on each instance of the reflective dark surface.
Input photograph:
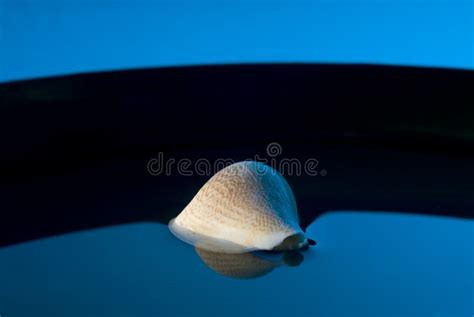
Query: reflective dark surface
(365, 264)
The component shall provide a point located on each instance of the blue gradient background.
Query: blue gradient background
(364, 265)
(43, 37)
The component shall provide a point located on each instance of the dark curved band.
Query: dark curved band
(74, 149)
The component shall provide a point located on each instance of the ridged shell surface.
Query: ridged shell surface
(245, 206)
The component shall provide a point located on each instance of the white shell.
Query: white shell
(245, 206)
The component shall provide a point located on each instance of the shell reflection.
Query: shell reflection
(248, 265)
